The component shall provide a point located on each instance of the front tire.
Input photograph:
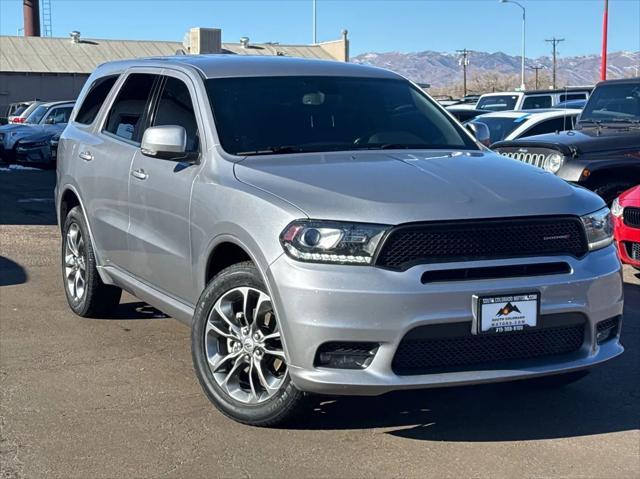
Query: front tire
(237, 350)
(86, 294)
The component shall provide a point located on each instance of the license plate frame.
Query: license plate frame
(509, 316)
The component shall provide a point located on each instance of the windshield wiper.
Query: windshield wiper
(271, 150)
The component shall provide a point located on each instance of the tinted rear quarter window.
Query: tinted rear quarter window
(94, 99)
(536, 102)
(573, 96)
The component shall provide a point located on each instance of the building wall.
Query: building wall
(42, 86)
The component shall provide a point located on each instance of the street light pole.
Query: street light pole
(464, 61)
(524, 36)
(315, 38)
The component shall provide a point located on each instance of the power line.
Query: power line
(464, 61)
(554, 42)
(536, 68)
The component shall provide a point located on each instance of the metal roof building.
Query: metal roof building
(56, 68)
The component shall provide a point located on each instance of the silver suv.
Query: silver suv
(326, 228)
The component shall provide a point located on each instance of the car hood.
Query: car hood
(631, 197)
(586, 140)
(20, 132)
(402, 187)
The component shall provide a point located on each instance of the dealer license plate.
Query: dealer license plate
(507, 314)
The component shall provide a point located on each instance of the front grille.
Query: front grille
(633, 250)
(452, 347)
(532, 156)
(440, 242)
(631, 216)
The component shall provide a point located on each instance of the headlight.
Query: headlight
(332, 241)
(599, 228)
(553, 162)
(616, 209)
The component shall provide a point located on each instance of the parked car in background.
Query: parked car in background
(18, 112)
(462, 113)
(530, 99)
(602, 153)
(626, 226)
(324, 227)
(572, 104)
(510, 125)
(38, 149)
(46, 118)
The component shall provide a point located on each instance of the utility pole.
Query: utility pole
(536, 68)
(464, 61)
(554, 42)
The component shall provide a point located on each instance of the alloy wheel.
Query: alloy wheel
(75, 262)
(244, 347)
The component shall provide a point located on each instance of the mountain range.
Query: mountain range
(443, 69)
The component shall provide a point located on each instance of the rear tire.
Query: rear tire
(610, 191)
(86, 294)
(253, 385)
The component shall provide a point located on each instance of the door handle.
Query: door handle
(140, 174)
(85, 155)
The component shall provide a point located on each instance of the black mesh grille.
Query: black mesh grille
(633, 250)
(607, 324)
(464, 351)
(483, 239)
(632, 216)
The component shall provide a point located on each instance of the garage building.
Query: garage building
(46, 68)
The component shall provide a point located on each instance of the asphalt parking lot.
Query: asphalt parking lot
(117, 397)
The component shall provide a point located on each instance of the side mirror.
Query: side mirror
(49, 121)
(167, 142)
(480, 131)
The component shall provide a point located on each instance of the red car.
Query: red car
(626, 223)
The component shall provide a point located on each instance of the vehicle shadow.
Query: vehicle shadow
(11, 272)
(604, 401)
(133, 311)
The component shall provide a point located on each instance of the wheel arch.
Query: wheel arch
(69, 199)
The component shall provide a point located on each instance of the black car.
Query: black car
(602, 153)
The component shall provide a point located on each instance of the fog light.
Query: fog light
(343, 355)
(606, 330)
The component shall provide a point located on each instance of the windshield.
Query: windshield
(497, 103)
(37, 114)
(613, 103)
(500, 127)
(263, 115)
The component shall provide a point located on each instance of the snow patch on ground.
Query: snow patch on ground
(17, 167)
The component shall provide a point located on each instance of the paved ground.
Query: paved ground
(117, 397)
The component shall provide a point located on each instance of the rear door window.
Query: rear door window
(128, 113)
(536, 102)
(94, 99)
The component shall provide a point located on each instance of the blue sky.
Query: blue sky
(374, 25)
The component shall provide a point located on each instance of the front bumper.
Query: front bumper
(324, 303)
(33, 154)
(625, 236)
